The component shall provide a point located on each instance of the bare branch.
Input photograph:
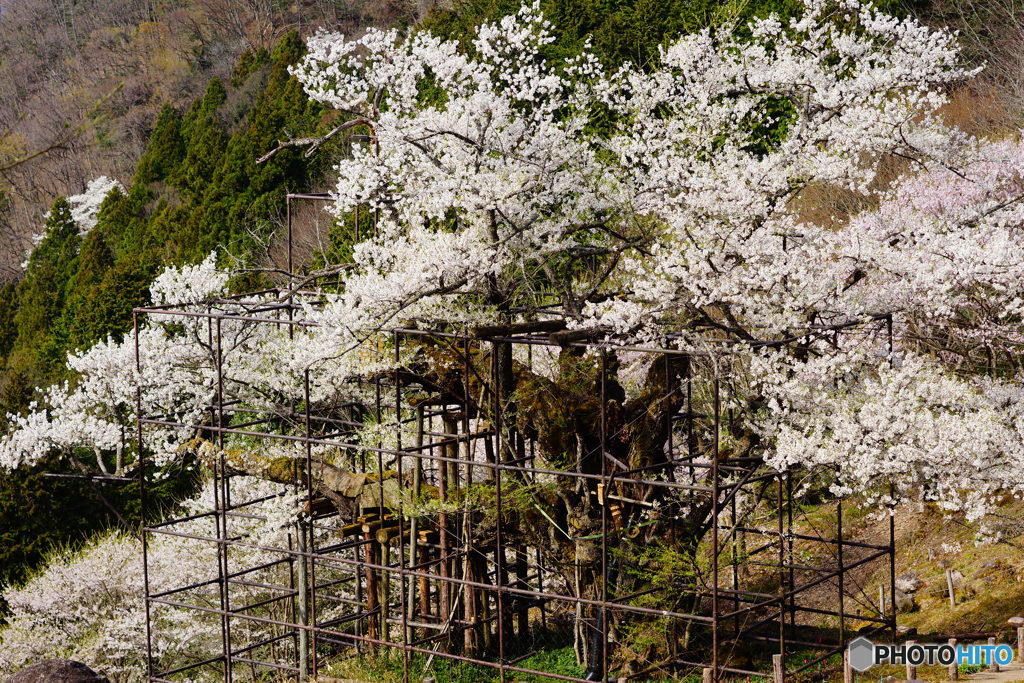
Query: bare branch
(313, 143)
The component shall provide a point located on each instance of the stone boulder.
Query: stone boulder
(57, 671)
(905, 602)
(908, 582)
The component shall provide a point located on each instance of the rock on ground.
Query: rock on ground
(57, 671)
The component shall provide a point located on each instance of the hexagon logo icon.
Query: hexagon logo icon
(862, 654)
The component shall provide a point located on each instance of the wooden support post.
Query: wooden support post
(847, 669)
(501, 581)
(451, 450)
(1020, 643)
(444, 566)
(993, 665)
(484, 601)
(356, 552)
(302, 567)
(949, 587)
(911, 669)
(384, 585)
(881, 601)
(415, 550)
(954, 670)
(372, 595)
(424, 592)
(469, 606)
(707, 676)
(522, 613)
(778, 670)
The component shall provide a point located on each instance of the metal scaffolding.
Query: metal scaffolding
(448, 539)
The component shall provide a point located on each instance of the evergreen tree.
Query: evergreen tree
(79, 320)
(165, 149)
(8, 307)
(619, 30)
(42, 294)
(244, 197)
(204, 139)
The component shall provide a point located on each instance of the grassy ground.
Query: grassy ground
(924, 673)
(387, 667)
(992, 588)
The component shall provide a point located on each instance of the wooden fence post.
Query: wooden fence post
(778, 672)
(911, 669)
(954, 670)
(993, 665)
(949, 587)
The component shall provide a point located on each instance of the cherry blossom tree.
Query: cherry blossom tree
(85, 207)
(671, 203)
(666, 207)
(97, 413)
(87, 605)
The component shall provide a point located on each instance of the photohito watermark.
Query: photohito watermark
(864, 654)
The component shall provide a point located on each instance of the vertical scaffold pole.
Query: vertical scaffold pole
(606, 483)
(402, 589)
(221, 504)
(499, 564)
(140, 455)
(780, 663)
(842, 573)
(714, 534)
(892, 519)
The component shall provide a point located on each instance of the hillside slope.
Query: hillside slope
(82, 83)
